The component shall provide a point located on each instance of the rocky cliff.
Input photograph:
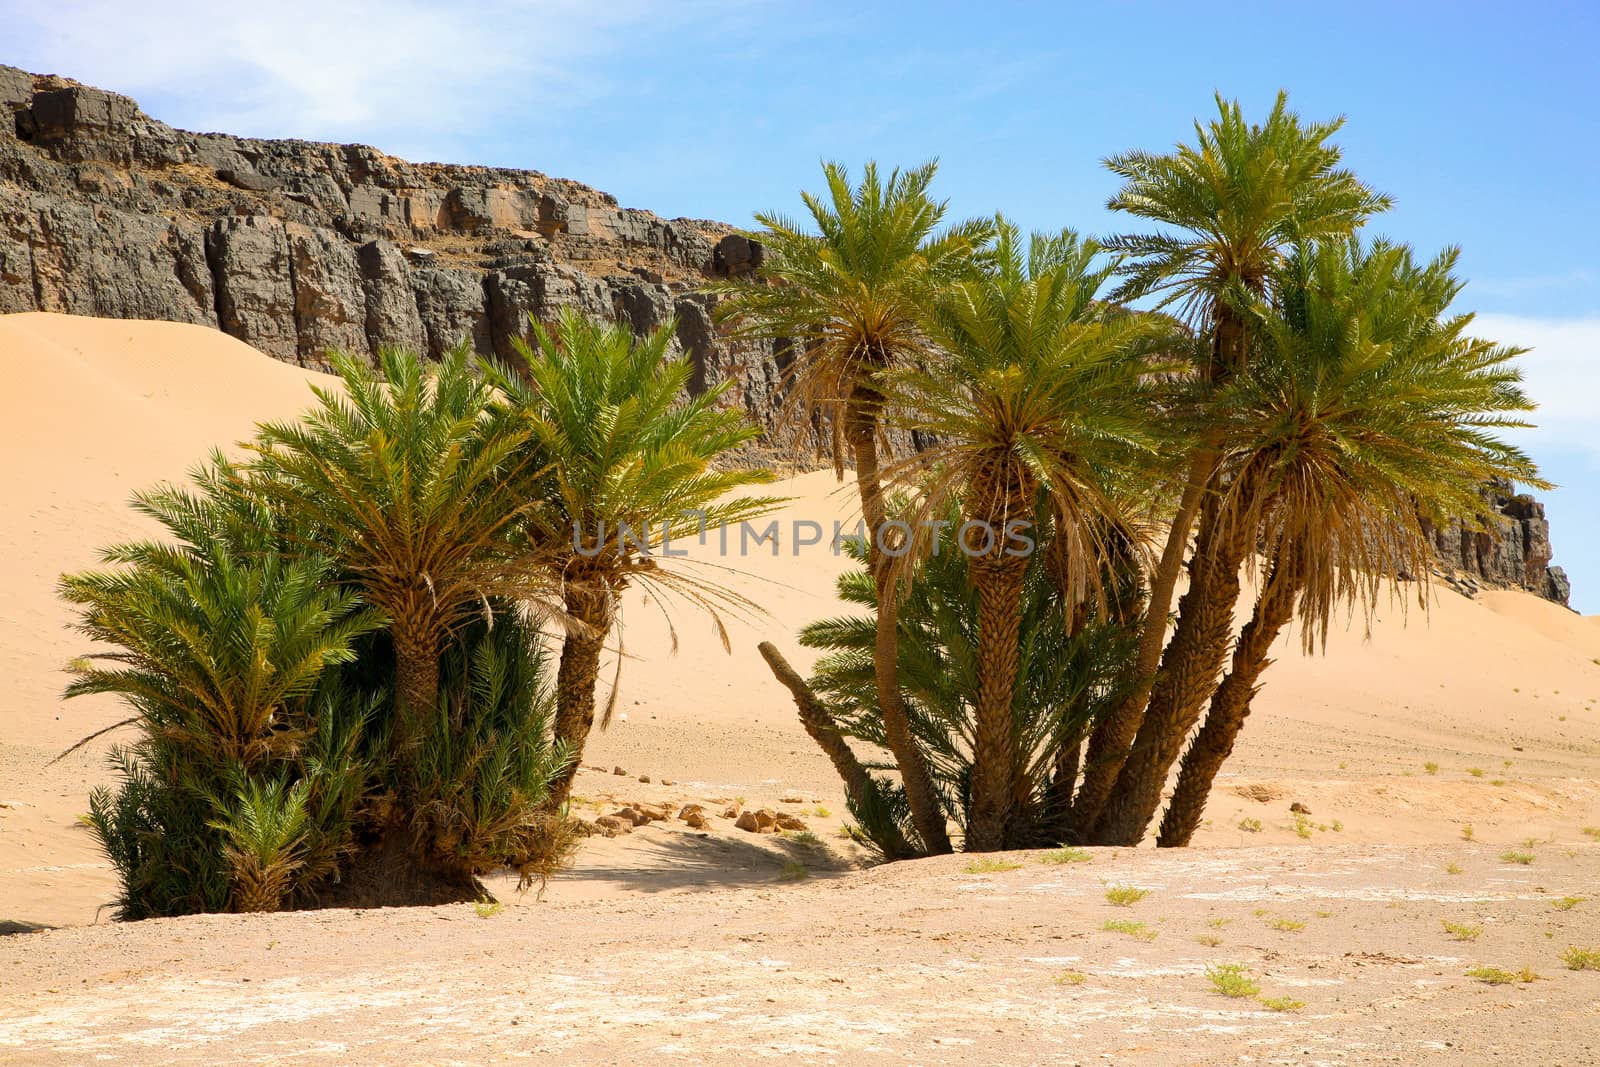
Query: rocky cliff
(298, 247)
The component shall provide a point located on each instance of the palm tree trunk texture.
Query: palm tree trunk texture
(994, 756)
(1229, 708)
(926, 814)
(1186, 678)
(575, 681)
(1113, 735)
(416, 670)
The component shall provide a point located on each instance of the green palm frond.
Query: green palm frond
(1065, 679)
(1037, 386)
(1370, 410)
(1235, 198)
(849, 291)
(416, 483)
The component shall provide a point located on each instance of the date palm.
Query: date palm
(418, 487)
(1369, 409)
(1037, 392)
(213, 638)
(1231, 204)
(850, 297)
(630, 462)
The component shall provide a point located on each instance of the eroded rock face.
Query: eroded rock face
(1507, 544)
(299, 248)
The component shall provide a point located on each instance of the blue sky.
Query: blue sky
(1481, 119)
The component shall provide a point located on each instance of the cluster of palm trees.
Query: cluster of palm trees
(1264, 390)
(335, 655)
(335, 658)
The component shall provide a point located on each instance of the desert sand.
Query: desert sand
(725, 946)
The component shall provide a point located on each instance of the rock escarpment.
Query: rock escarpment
(298, 247)
(1506, 544)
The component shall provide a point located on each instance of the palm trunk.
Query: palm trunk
(1113, 735)
(1229, 708)
(994, 756)
(416, 676)
(575, 681)
(926, 813)
(819, 724)
(1187, 675)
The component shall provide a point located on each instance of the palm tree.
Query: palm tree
(1068, 672)
(1238, 197)
(419, 488)
(1368, 411)
(630, 463)
(850, 299)
(218, 643)
(213, 639)
(1037, 392)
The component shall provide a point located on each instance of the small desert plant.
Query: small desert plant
(488, 909)
(1592, 831)
(1431, 767)
(1066, 854)
(1217, 924)
(1452, 868)
(1581, 959)
(1071, 978)
(821, 812)
(1567, 903)
(1466, 832)
(1208, 940)
(1302, 826)
(1288, 926)
(1336, 826)
(1231, 980)
(1461, 931)
(1500, 976)
(1133, 929)
(1281, 1003)
(793, 871)
(1125, 896)
(1524, 858)
(985, 865)
(1476, 772)
(1250, 826)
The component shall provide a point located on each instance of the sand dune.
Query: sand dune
(1505, 684)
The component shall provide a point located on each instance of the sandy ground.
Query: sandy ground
(714, 946)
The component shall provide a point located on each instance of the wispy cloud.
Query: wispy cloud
(406, 74)
(1562, 373)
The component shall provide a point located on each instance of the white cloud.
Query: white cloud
(406, 74)
(1562, 373)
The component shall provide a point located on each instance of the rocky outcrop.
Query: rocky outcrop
(301, 248)
(1506, 544)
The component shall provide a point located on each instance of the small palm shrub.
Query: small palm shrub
(481, 771)
(339, 699)
(219, 643)
(1068, 673)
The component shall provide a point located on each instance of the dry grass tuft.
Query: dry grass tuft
(1231, 980)
(1125, 896)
